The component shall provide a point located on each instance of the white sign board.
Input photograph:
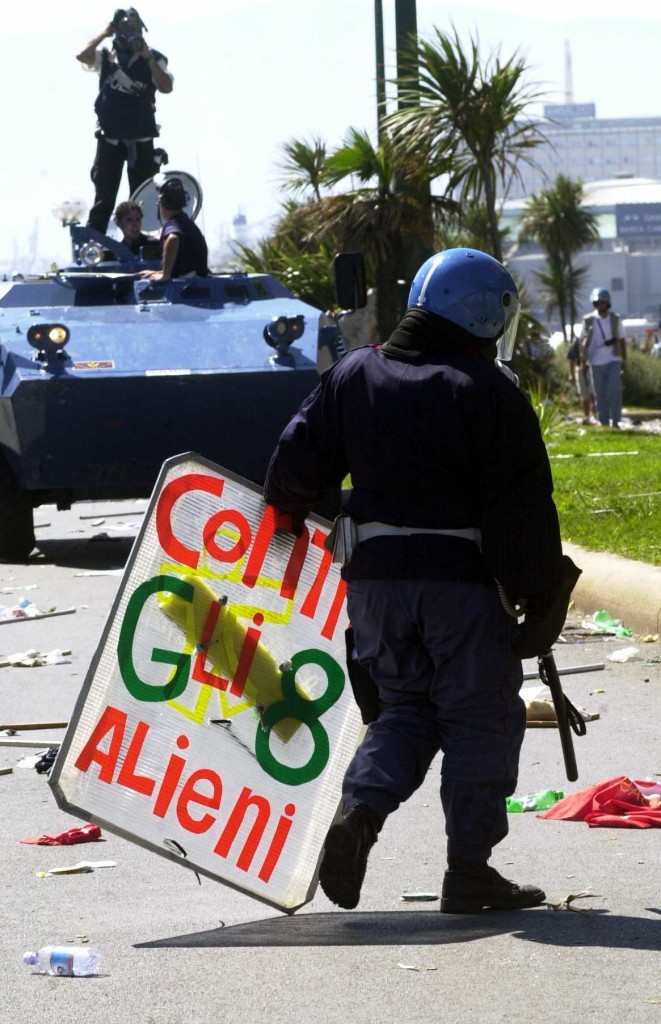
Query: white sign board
(216, 720)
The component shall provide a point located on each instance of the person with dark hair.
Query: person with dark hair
(452, 524)
(130, 74)
(184, 246)
(128, 218)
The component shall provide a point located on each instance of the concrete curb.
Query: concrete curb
(630, 591)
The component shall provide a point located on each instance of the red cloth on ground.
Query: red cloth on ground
(82, 834)
(619, 802)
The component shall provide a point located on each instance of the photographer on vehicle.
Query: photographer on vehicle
(130, 74)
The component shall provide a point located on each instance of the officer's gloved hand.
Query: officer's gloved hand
(289, 522)
(545, 615)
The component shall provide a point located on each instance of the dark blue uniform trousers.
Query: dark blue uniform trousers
(440, 654)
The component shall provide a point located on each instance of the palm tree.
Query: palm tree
(303, 166)
(556, 218)
(387, 205)
(387, 212)
(471, 114)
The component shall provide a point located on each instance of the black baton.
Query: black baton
(568, 717)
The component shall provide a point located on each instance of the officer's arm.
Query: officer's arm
(87, 56)
(520, 531)
(163, 80)
(309, 458)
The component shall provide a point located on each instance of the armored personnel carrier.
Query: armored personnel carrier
(105, 374)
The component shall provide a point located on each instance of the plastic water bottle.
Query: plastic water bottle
(66, 961)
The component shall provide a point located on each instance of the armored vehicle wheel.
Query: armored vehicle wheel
(16, 526)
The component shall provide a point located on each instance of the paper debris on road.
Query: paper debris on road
(25, 609)
(34, 659)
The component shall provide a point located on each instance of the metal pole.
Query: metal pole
(380, 67)
(406, 29)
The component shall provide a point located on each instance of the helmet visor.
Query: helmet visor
(512, 310)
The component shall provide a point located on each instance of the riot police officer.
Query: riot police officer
(452, 491)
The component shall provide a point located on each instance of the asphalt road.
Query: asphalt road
(175, 952)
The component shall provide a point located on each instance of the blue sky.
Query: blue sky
(251, 74)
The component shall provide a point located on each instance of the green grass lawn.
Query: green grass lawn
(608, 489)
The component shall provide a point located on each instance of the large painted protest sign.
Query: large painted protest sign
(216, 720)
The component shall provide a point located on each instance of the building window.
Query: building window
(617, 284)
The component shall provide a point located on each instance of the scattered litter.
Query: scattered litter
(83, 867)
(98, 522)
(566, 903)
(34, 659)
(603, 622)
(6, 771)
(654, 660)
(20, 741)
(570, 670)
(541, 713)
(419, 897)
(600, 690)
(47, 760)
(64, 961)
(109, 515)
(31, 760)
(11, 590)
(625, 654)
(25, 609)
(100, 572)
(80, 834)
(540, 801)
(19, 726)
(408, 967)
(651, 638)
(619, 802)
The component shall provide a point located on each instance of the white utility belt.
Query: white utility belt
(346, 534)
(365, 531)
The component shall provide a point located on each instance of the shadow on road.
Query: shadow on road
(90, 553)
(428, 928)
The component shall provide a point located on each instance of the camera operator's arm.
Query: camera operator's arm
(161, 76)
(87, 56)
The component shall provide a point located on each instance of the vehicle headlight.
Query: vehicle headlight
(282, 331)
(48, 339)
(91, 254)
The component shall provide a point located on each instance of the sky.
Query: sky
(249, 75)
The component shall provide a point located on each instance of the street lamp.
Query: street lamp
(70, 211)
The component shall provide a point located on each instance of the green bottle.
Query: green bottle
(533, 801)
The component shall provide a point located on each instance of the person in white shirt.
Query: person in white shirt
(604, 352)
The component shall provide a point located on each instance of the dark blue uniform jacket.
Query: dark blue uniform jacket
(441, 441)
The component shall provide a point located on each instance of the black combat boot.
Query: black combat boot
(469, 888)
(347, 848)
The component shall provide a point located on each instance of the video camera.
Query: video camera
(128, 25)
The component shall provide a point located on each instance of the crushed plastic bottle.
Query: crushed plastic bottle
(65, 961)
(607, 624)
(533, 801)
(624, 654)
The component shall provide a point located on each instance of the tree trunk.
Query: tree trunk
(388, 301)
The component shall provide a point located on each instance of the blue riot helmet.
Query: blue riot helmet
(473, 291)
(600, 295)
